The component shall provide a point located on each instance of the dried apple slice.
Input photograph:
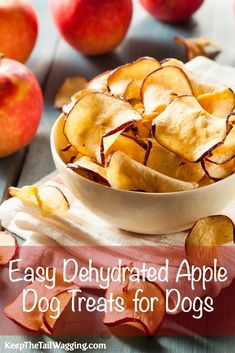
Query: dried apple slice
(189, 131)
(160, 87)
(99, 83)
(48, 320)
(147, 321)
(168, 163)
(198, 47)
(219, 103)
(132, 146)
(225, 152)
(8, 247)
(69, 87)
(132, 91)
(127, 174)
(96, 121)
(131, 74)
(49, 199)
(87, 168)
(33, 320)
(206, 235)
(205, 181)
(218, 171)
(198, 86)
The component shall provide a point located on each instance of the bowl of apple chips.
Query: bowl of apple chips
(148, 146)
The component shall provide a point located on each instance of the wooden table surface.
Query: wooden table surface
(53, 60)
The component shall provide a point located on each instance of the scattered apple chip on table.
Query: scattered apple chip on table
(204, 238)
(160, 87)
(70, 86)
(198, 47)
(49, 199)
(37, 320)
(97, 116)
(186, 129)
(127, 174)
(131, 74)
(8, 247)
(145, 320)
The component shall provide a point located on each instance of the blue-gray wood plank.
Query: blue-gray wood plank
(52, 61)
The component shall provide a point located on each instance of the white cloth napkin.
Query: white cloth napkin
(79, 227)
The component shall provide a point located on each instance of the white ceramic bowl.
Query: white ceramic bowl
(148, 213)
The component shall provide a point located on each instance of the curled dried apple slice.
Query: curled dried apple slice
(198, 86)
(96, 121)
(99, 83)
(219, 103)
(34, 320)
(189, 131)
(218, 171)
(125, 173)
(131, 74)
(168, 163)
(145, 320)
(8, 247)
(198, 46)
(160, 87)
(69, 87)
(87, 168)
(49, 199)
(206, 235)
(226, 151)
(132, 146)
(132, 91)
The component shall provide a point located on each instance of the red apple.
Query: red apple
(171, 11)
(21, 105)
(18, 29)
(92, 26)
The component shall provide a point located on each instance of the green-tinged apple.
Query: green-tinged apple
(92, 27)
(18, 29)
(21, 105)
(171, 10)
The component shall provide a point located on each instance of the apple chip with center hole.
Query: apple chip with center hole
(160, 87)
(89, 169)
(168, 163)
(96, 121)
(206, 236)
(49, 199)
(219, 103)
(125, 173)
(147, 321)
(186, 129)
(126, 80)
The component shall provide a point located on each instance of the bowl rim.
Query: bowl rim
(151, 194)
